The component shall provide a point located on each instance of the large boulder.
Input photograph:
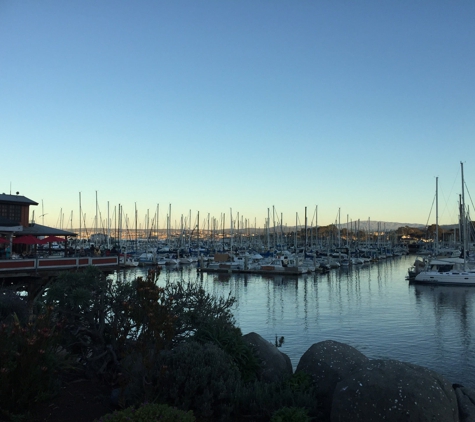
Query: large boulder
(275, 364)
(328, 362)
(466, 403)
(394, 391)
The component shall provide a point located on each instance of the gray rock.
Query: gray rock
(394, 391)
(275, 364)
(328, 362)
(466, 402)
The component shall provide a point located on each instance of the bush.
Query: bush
(193, 308)
(290, 414)
(149, 413)
(11, 303)
(29, 362)
(229, 339)
(198, 377)
(259, 401)
(107, 321)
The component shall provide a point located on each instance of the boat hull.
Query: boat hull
(448, 278)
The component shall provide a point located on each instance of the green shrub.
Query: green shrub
(229, 339)
(198, 377)
(29, 362)
(108, 321)
(11, 303)
(290, 414)
(149, 413)
(299, 382)
(193, 308)
(259, 401)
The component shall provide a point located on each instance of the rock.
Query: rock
(394, 391)
(275, 364)
(466, 403)
(328, 362)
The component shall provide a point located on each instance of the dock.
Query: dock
(33, 266)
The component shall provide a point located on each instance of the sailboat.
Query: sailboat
(457, 274)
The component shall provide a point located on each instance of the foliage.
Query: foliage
(120, 329)
(149, 413)
(193, 308)
(228, 338)
(11, 303)
(198, 377)
(29, 361)
(290, 414)
(299, 382)
(106, 321)
(259, 401)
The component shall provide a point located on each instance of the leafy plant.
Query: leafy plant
(107, 321)
(29, 361)
(198, 377)
(228, 338)
(290, 414)
(11, 303)
(299, 382)
(194, 308)
(149, 413)
(259, 401)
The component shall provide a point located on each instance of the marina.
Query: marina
(371, 307)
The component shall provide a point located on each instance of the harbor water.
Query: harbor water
(370, 307)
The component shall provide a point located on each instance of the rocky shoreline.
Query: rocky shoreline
(352, 387)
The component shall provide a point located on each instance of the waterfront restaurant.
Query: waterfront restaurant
(19, 240)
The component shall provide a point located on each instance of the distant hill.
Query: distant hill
(385, 225)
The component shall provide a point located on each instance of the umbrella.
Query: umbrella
(27, 240)
(50, 239)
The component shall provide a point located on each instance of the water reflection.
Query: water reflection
(370, 307)
(452, 304)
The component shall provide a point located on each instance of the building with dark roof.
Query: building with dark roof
(14, 219)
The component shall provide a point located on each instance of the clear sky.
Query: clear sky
(245, 105)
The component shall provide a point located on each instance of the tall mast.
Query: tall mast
(80, 216)
(464, 222)
(108, 228)
(95, 219)
(436, 215)
(305, 237)
(136, 232)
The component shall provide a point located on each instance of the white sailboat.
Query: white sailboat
(454, 276)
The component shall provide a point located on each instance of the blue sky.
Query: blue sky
(245, 105)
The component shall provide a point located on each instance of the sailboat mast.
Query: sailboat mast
(464, 222)
(305, 237)
(80, 216)
(436, 251)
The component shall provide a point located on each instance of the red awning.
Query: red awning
(27, 240)
(51, 239)
(3, 240)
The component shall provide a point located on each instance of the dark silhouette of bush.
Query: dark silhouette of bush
(149, 412)
(228, 338)
(106, 321)
(259, 401)
(198, 377)
(11, 303)
(30, 360)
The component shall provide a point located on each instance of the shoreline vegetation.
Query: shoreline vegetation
(174, 345)
(142, 351)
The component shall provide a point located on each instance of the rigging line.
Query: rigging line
(446, 208)
(427, 223)
(466, 188)
(455, 181)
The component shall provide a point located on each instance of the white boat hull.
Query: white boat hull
(462, 278)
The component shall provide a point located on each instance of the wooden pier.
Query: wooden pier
(31, 266)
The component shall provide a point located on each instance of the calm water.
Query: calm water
(372, 308)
